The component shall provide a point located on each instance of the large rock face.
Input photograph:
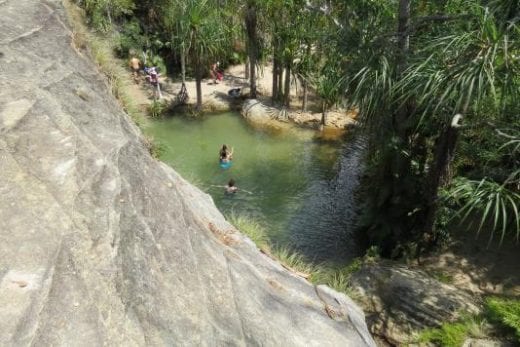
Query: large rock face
(102, 245)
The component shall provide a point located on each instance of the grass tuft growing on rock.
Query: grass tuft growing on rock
(155, 148)
(338, 278)
(501, 318)
(250, 227)
(293, 260)
(102, 51)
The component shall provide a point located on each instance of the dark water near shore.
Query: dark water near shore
(296, 192)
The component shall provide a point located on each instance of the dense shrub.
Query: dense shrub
(130, 39)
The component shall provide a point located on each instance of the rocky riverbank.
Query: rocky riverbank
(262, 115)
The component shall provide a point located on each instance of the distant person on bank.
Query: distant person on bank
(135, 65)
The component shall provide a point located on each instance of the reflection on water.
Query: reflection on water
(323, 228)
(295, 190)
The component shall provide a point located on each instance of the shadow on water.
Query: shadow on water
(323, 229)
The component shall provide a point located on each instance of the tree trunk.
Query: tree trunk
(403, 34)
(198, 85)
(444, 153)
(287, 92)
(252, 78)
(280, 81)
(109, 16)
(251, 23)
(305, 92)
(274, 94)
(323, 114)
(183, 64)
(246, 72)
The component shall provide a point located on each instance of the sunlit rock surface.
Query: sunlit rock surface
(102, 245)
(260, 114)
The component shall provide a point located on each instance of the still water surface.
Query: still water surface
(292, 178)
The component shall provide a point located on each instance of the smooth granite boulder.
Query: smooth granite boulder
(101, 245)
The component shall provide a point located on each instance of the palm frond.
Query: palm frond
(495, 204)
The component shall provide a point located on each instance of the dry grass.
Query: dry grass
(101, 51)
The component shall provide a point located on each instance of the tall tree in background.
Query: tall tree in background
(102, 13)
(412, 98)
(251, 23)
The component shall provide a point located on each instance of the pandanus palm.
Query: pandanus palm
(414, 110)
(200, 33)
(461, 74)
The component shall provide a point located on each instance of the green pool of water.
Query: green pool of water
(283, 171)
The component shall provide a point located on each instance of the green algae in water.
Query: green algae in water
(281, 170)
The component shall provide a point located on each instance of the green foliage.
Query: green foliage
(157, 108)
(454, 334)
(407, 104)
(495, 203)
(506, 312)
(373, 253)
(102, 13)
(293, 260)
(196, 30)
(158, 61)
(249, 226)
(328, 85)
(337, 278)
(130, 39)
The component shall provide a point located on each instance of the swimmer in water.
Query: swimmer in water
(231, 188)
(225, 155)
